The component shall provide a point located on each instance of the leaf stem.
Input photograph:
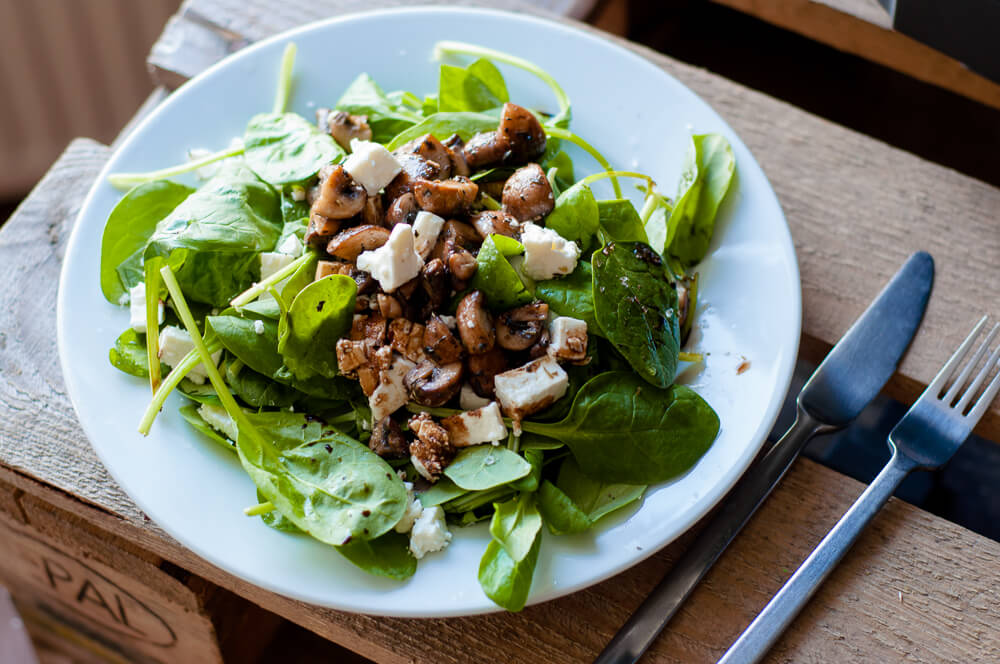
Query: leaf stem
(257, 510)
(258, 289)
(153, 328)
(169, 384)
(489, 202)
(125, 181)
(285, 78)
(567, 135)
(443, 48)
(587, 181)
(690, 357)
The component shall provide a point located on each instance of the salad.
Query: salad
(411, 315)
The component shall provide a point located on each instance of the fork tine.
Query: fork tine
(988, 395)
(934, 388)
(959, 383)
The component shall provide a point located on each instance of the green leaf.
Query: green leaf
(495, 276)
(388, 555)
(560, 513)
(319, 315)
(657, 222)
(486, 466)
(275, 519)
(595, 498)
(620, 220)
(443, 125)
(129, 354)
(128, 229)
(385, 116)
(284, 147)
(257, 390)
(561, 162)
(636, 308)
(529, 483)
(441, 492)
(706, 179)
(620, 429)
(478, 87)
(576, 215)
(190, 414)
(504, 579)
(572, 295)
(515, 525)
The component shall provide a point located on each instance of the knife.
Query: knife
(850, 376)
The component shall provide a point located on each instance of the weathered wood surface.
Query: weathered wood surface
(864, 28)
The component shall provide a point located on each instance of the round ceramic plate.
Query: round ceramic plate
(633, 112)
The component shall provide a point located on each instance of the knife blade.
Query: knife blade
(850, 376)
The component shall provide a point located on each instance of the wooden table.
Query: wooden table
(84, 564)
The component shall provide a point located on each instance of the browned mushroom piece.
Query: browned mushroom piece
(432, 451)
(373, 214)
(520, 328)
(460, 234)
(320, 229)
(445, 197)
(440, 343)
(402, 210)
(456, 151)
(343, 126)
(389, 306)
(683, 304)
(326, 268)
(407, 339)
(496, 222)
(415, 168)
(523, 133)
(431, 149)
(528, 195)
(431, 384)
(388, 440)
(462, 265)
(541, 346)
(486, 149)
(475, 324)
(435, 281)
(340, 196)
(482, 369)
(349, 243)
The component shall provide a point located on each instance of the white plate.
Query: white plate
(637, 115)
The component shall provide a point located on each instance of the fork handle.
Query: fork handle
(762, 633)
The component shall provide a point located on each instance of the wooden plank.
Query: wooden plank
(863, 28)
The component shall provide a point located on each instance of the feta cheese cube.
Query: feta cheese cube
(217, 418)
(271, 262)
(175, 343)
(546, 253)
(482, 425)
(531, 388)
(291, 246)
(412, 512)
(137, 308)
(450, 321)
(258, 326)
(567, 338)
(371, 165)
(395, 262)
(426, 227)
(429, 532)
(469, 400)
(391, 394)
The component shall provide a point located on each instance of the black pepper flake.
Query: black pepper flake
(366, 513)
(319, 307)
(347, 541)
(329, 448)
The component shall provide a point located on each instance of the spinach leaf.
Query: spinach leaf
(529, 483)
(190, 414)
(275, 519)
(561, 162)
(496, 277)
(572, 295)
(385, 116)
(620, 220)
(707, 175)
(294, 217)
(620, 429)
(636, 308)
(478, 87)
(129, 226)
(387, 555)
(485, 466)
(560, 513)
(530, 441)
(657, 228)
(319, 315)
(256, 389)
(576, 215)
(515, 525)
(284, 147)
(442, 125)
(441, 492)
(594, 497)
(505, 579)
(129, 354)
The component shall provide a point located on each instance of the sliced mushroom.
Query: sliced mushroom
(523, 133)
(541, 346)
(389, 306)
(462, 265)
(440, 343)
(373, 214)
(349, 244)
(475, 324)
(326, 268)
(455, 147)
(430, 384)
(445, 197)
(343, 126)
(496, 222)
(432, 451)
(340, 196)
(520, 328)
(431, 149)
(320, 229)
(528, 195)
(434, 280)
(415, 168)
(483, 368)
(388, 440)
(485, 149)
(460, 234)
(402, 210)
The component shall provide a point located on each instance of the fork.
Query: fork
(927, 437)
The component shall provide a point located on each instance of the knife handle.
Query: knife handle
(659, 607)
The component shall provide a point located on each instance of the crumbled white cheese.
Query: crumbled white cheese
(395, 262)
(271, 262)
(291, 246)
(567, 338)
(258, 326)
(137, 308)
(426, 228)
(217, 418)
(391, 394)
(546, 253)
(412, 512)
(530, 388)
(429, 532)
(469, 400)
(422, 469)
(371, 165)
(298, 193)
(450, 321)
(482, 425)
(175, 343)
